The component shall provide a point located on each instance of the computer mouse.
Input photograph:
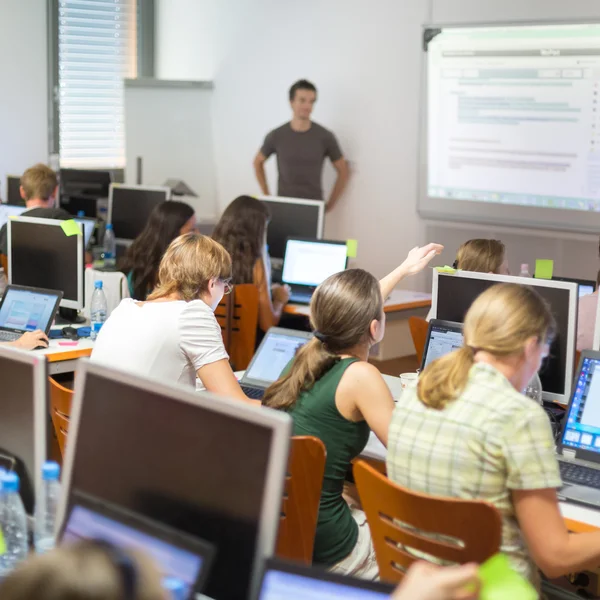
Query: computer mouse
(70, 333)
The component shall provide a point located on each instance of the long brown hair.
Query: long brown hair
(241, 230)
(341, 312)
(500, 322)
(480, 255)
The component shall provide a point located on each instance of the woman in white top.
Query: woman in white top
(174, 336)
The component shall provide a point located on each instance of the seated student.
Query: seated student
(586, 318)
(85, 570)
(333, 393)
(39, 189)
(482, 256)
(166, 222)
(29, 341)
(467, 431)
(242, 230)
(174, 335)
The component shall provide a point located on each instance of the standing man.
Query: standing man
(301, 147)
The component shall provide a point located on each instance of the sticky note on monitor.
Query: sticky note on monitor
(351, 248)
(499, 581)
(544, 269)
(2, 544)
(71, 227)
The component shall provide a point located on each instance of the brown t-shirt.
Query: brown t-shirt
(300, 156)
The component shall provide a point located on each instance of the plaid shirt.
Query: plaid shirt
(487, 442)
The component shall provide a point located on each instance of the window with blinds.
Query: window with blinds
(97, 46)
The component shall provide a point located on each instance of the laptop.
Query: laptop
(579, 446)
(307, 263)
(278, 348)
(443, 337)
(586, 286)
(176, 554)
(8, 210)
(285, 581)
(24, 309)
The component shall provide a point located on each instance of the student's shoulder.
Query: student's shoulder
(362, 373)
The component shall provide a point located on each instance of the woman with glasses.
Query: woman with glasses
(174, 336)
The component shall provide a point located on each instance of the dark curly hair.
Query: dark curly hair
(241, 230)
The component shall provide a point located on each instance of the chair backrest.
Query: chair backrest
(418, 331)
(300, 506)
(114, 285)
(60, 411)
(237, 315)
(4, 264)
(400, 519)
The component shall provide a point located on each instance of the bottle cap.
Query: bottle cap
(98, 285)
(525, 267)
(10, 482)
(81, 213)
(109, 226)
(50, 471)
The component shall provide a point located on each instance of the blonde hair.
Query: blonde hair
(481, 256)
(189, 263)
(81, 571)
(39, 182)
(500, 322)
(341, 311)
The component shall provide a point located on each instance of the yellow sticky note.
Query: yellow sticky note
(544, 269)
(445, 269)
(499, 581)
(71, 227)
(2, 544)
(351, 248)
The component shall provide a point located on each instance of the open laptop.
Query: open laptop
(276, 350)
(579, 446)
(24, 309)
(585, 286)
(176, 554)
(443, 337)
(286, 581)
(307, 263)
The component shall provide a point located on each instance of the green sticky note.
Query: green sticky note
(544, 269)
(351, 248)
(445, 269)
(2, 544)
(71, 227)
(500, 582)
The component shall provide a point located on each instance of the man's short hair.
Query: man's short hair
(301, 84)
(39, 182)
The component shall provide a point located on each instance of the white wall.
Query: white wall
(23, 86)
(365, 59)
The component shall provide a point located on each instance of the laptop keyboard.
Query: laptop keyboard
(9, 336)
(252, 392)
(300, 298)
(580, 475)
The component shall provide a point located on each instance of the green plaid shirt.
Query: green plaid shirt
(488, 441)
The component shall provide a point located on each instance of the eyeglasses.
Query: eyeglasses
(227, 286)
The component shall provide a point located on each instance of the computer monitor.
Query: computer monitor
(24, 419)
(88, 225)
(443, 337)
(13, 191)
(129, 207)
(41, 254)
(292, 217)
(310, 262)
(453, 294)
(200, 463)
(9, 210)
(585, 286)
(80, 190)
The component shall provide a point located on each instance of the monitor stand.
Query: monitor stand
(68, 316)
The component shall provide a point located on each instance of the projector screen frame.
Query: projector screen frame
(487, 213)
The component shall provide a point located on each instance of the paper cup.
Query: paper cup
(408, 380)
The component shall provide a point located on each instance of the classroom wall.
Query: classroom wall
(23, 86)
(367, 66)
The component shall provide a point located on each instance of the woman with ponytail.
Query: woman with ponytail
(467, 431)
(333, 393)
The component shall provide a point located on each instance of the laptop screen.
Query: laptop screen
(280, 585)
(582, 427)
(310, 262)
(275, 352)
(83, 523)
(88, 228)
(585, 289)
(26, 310)
(443, 337)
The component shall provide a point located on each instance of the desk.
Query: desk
(63, 359)
(398, 307)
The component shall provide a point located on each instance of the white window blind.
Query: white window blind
(96, 51)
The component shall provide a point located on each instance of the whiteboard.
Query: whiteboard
(168, 124)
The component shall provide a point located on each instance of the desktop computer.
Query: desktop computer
(201, 464)
(129, 207)
(453, 294)
(13, 191)
(292, 218)
(80, 190)
(24, 419)
(41, 254)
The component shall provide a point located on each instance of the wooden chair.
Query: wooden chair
(237, 315)
(300, 507)
(60, 412)
(418, 331)
(476, 526)
(4, 264)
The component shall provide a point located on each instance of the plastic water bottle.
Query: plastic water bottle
(534, 389)
(524, 270)
(45, 508)
(175, 588)
(14, 524)
(98, 310)
(110, 247)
